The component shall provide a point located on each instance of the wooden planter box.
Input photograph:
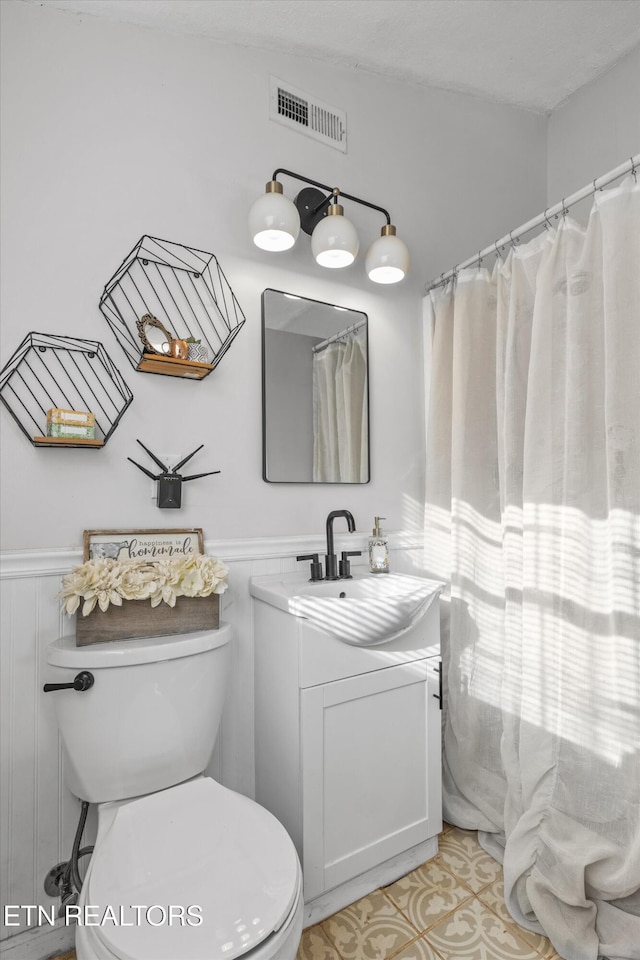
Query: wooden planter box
(137, 618)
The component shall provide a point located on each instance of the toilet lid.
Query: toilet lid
(196, 871)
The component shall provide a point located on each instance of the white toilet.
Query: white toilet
(183, 868)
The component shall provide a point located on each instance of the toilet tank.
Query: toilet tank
(151, 718)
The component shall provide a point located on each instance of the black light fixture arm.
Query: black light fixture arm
(334, 192)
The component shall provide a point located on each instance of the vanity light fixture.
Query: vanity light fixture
(334, 241)
(275, 222)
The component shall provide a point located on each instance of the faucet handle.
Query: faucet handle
(316, 566)
(345, 566)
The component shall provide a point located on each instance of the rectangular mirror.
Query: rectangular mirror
(315, 391)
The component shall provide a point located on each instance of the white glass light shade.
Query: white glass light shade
(334, 242)
(274, 222)
(387, 259)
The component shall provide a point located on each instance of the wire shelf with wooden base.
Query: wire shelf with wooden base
(48, 372)
(185, 291)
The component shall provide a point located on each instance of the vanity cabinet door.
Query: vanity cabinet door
(368, 745)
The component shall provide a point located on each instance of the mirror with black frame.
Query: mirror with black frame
(315, 391)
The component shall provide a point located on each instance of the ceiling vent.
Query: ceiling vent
(299, 111)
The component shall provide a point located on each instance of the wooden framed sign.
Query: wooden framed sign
(142, 544)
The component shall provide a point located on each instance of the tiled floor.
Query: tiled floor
(450, 908)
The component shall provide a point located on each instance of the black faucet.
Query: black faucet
(330, 558)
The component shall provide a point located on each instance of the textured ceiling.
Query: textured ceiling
(528, 53)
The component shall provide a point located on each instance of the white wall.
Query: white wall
(114, 131)
(594, 130)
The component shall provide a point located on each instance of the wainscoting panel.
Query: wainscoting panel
(38, 813)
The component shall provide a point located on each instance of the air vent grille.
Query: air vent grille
(293, 108)
(308, 115)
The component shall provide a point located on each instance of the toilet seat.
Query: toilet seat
(196, 845)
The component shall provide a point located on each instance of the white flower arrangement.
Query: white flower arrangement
(107, 581)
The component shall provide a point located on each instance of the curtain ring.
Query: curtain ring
(513, 242)
(498, 255)
(634, 170)
(547, 223)
(564, 211)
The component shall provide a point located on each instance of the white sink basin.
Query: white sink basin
(367, 610)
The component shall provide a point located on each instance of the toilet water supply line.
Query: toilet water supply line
(70, 877)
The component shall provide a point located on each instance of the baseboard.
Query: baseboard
(380, 876)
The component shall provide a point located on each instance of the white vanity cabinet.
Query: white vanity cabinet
(348, 757)
(368, 792)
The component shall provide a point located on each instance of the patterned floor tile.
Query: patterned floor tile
(493, 897)
(418, 950)
(461, 854)
(427, 894)
(371, 929)
(315, 945)
(473, 932)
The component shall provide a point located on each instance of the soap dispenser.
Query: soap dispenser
(378, 549)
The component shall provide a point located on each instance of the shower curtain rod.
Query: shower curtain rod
(343, 333)
(599, 183)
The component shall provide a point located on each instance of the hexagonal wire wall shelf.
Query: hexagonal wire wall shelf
(182, 287)
(49, 371)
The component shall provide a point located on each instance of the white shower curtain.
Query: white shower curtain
(533, 513)
(340, 420)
